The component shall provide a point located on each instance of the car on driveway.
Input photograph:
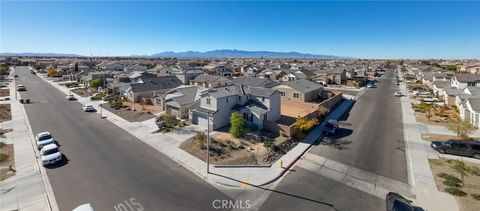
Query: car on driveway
(88, 108)
(70, 97)
(330, 128)
(396, 202)
(50, 154)
(21, 87)
(457, 147)
(398, 94)
(43, 139)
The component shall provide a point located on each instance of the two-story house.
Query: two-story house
(299, 90)
(210, 81)
(255, 104)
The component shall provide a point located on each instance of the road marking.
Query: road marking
(366, 181)
(246, 183)
(129, 205)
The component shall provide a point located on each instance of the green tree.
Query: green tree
(4, 70)
(95, 83)
(237, 127)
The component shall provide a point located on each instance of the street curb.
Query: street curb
(46, 182)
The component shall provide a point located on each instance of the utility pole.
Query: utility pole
(103, 90)
(208, 142)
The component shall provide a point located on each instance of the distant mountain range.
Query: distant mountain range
(207, 54)
(243, 54)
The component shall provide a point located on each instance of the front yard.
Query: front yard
(449, 180)
(6, 160)
(128, 113)
(434, 114)
(5, 112)
(4, 92)
(252, 149)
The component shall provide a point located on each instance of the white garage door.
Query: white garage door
(202, 121)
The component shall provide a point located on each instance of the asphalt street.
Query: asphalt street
(371, 134)
(104, 165)
(370, 138)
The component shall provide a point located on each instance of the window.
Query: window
(263, 99)
(208, 101)
(239, 97)
(296, 95)
(227, 99)
(282, 94)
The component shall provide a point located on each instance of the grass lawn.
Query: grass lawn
(471, 182)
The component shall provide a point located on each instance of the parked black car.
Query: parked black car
(458, 147)
(396, 202)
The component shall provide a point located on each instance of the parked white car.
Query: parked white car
(70, 97)
(84, 207)
(44, 138)
(398, 94)
(50, 154)
(21, 87)
(88, 108)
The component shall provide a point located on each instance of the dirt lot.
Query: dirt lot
(145, 108)
(5, 112)
(81, 91)
(471, 183)
(226, 150)
(297, 109)
(434, 120)
(4, 92)
(436, 137)
(129, 115)
(4, 165)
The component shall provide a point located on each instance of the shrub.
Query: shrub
(449, 177)
(2, 144)
(475, 170)
(95, 83)
(270, 145)
(451, 183)
(3, 157)
(237, 128)
(455, 191)
(476, 196)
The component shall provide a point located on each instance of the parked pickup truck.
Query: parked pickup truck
(330, 127)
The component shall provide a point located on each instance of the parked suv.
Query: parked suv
(330, 127)
(456, 147)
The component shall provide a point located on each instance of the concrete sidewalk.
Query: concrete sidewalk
(420, 175)
(30, 188)
(169, 143)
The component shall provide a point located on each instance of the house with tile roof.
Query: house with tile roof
(255, 104)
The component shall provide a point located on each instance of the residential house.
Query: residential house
(116, 66)
(186, 75)
(147, 88)
(299, 90)
(223, 71)
(330, 76)
(255, 104)
(439, 86)
(461, 80)
(178, 100)
(470, 111)
(210, 81)
(470, 68)
(256, 82)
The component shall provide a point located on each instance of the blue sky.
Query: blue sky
(356, 29)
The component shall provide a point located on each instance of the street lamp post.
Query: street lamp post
(208, 142)
(103, 90)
